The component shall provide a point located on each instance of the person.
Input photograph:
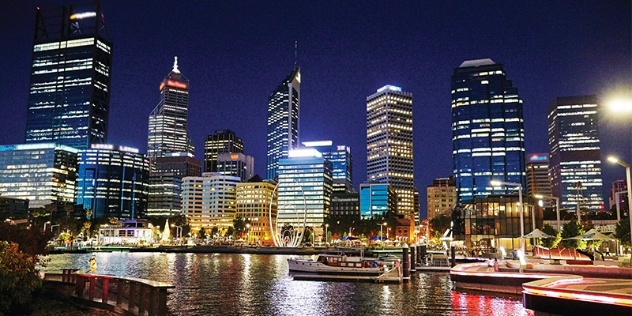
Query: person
(93, 264)
(607, 251)
(496, 265)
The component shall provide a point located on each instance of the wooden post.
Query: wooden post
(413, 258)
(105, 289)
(162, 302)
(150, 300)
(119, 291)
(406, 262)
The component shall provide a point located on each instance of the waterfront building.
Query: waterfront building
(168, 121)
(345, 204)
(236, 164)
(165, 183)
(390, 144)
(126, 232)
(341, 161)
(575, 162)
(376, 199)
(305, 186)
(619, 195)
(69, 93)
(257, 204)
(494, 221)
(13, 208)
(538, 181)
(441, 197)
(113, 181)
(43, 173)
(222, 141)
(209, 201)
(283, 121)
(487, 130)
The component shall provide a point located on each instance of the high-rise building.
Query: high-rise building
(619, 195)
(441, 197)
(538, 181)
(341, 161)
(69, 95)
(223, 141)
(113, 181)
(376, 199)
(575, 163)
(283, 121)
(257, 203)
(168, 121)
(165, 183)
(42, 173)
(304, 190)
(390, 144)
(209, 201)
(487, 130)
(236, 164)
(345, 205)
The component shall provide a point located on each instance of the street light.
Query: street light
(326, 225)
(557, 206)
(497, 183)
(248, 233)
(46, 223)
(381, 234)
(614, 159)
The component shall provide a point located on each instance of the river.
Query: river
(249, 284)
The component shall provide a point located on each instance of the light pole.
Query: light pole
(326, 225)
(519, 186)
(350, 228)
(248, 233)
(46, 223)
(381, 234)
(627, 176)
(178, 231)
(557, 206)
(616, 198)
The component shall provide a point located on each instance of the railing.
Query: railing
(135, 296)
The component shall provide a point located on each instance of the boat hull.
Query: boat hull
(346, 268)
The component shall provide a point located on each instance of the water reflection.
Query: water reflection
(242, 284)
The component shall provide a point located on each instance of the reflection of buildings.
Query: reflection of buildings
(575, 165)
(209, 201)
(376, 199)
(113, 181)
(253, 205)
(69, 95)
(165, 183)
(390, 145)
(341, 163)
(494, 221)
(487, 130)
(441, 197)
(223, 141)
(283, 121)
(538, 181)
(42, 173)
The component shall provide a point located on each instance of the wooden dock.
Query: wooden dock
(392, 276)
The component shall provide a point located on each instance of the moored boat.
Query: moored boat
(338, 263)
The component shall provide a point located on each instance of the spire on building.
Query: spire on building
(175, 64)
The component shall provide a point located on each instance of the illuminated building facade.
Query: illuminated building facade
(538, 181)
(487, 130)
(441, 197)
(305, 186)
(113, 182)
(69, 94)
(41, 173)
(236, 164)
(575, 165)
(168, 121)
(620, 189)
(283, 121)
(345, 204)
(390, 144)
(12, 208)
(209, 201)
(223, 141)
(253, 205)
(376, 199)
(165, 183)
(341, 162)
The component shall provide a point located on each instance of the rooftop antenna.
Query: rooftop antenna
(295, 53)
(175, 65)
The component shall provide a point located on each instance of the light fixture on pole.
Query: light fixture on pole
(557, 206)
(326, 225)
(382, 234)
(614, 159)
(497, 183)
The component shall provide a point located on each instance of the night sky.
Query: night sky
(236, 52)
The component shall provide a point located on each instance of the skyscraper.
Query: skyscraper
(236, 164)
(69, 94)
(538, 181)
(575, 164)
(283, 121)
(341, 161)
(168, 122)
(165, 183)
(441, 197)
(223, 141)
(487, 130)
(390, 144)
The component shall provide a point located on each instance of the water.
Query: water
(244, 284)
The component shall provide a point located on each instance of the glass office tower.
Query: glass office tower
(575, 164)
(487, 130)
(341, 162)
(69, 94)
(223, 141)
(283, 120)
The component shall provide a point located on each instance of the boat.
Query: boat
(337, 263)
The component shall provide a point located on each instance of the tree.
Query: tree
(202, 233)
(239, 225)
(440, 224)
(572, 229)
(551, 242)
(622, 231)
(18, 279)
(230, 232)
(214, 231)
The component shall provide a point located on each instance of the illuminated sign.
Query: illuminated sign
(318, 143)
(174, 84)
(538, 158)
(304, 153)
(83, 15)
(234, 156)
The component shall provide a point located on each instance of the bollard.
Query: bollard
(452, 256)
(413, 258)
(422, 253)
(406, 262)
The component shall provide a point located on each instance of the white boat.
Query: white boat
(338, 263)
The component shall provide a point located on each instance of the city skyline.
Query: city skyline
(549, 49)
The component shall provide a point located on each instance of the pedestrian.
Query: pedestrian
(607, 251)
(93, 264)
(496, 266)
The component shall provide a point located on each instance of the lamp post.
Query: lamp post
(627, 176)
(519, 186)
(46, 223)
(178, 231)
(350, 228)
(248, 233)
(326, 225)
(381, 234)
(557, 206)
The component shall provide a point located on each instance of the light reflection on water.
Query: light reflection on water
(245, 284)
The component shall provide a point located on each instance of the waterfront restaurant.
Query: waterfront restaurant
(494, 221)
(128, 232)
